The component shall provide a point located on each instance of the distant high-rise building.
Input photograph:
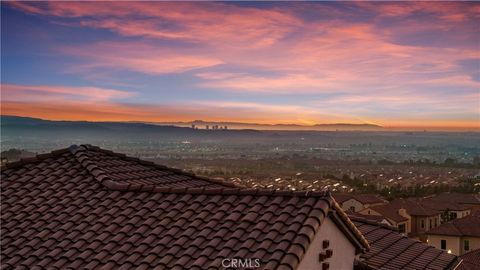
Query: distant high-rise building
(193, 126)
(225, 127)
(206, 127)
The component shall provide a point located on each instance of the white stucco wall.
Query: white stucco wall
(343, 250)
(453, 243)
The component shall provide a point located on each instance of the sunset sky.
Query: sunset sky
(399, 65)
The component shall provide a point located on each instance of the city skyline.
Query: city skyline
(394, 64)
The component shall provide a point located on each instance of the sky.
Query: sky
(399, 65)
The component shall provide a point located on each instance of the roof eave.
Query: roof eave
(360, 246)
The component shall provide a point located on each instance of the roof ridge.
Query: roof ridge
(371, 222)
(35, 159)
(153, 164)
(98, 174)
(230, 188)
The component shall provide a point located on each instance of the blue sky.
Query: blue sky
(396, 64)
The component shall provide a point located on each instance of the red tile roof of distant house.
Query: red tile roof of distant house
(392, 250)
(85, 207)
(460, 198)
(441, 205)
(342, 197)
(389, 212)
(413, 207)
(374, 218)
(466, 226)
(369, 198)
(363, 198)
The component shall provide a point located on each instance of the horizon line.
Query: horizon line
(378, 128)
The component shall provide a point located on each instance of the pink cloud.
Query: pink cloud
(276, 51)
(449, 11)
(136, 56)
(213, 23)
(14, 92)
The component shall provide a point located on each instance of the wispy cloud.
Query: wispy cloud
(135, 56)
(341, 61)
(43, 93)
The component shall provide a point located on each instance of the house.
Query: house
(422, 218)
(458, 236)
(89, 208)
(470, 260)
(397, 218)
(470, 200)
(448, 210)
(408, 215)
(358, 202)
(392, 250)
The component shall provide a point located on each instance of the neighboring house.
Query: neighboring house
(471, 201)
(457, 236)
(422, 218)
(392, 250)
(398, 218)
(88, 208)
(470, 260)
(417, 219)
(358, 202)
(448, 210)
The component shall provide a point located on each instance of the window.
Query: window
(422, 223)
(352, 208)
(401, 228)
(443, 244)
(435, 222)
(466, 245)
(430, 223)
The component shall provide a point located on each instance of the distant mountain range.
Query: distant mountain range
(18, 122)
(237, 125)
(27, 127)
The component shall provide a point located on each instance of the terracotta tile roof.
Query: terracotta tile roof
(441, 205)
(466, 226)
(390, 212)
(413, 207)
(470, 260)
(342, 197)
(460, 198)
(391, 250)
(363, 198)
(369, 198)
(85, 208)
